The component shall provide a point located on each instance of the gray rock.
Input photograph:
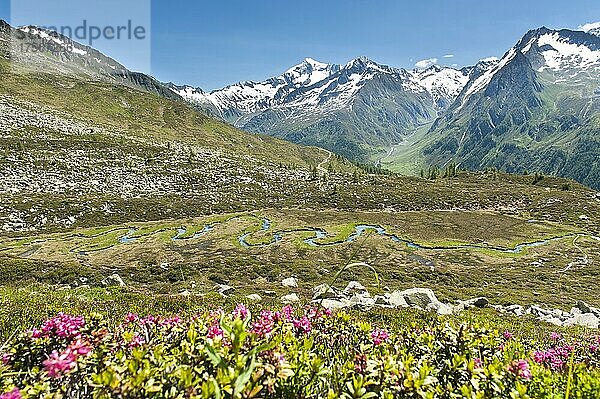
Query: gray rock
(324, 291)
(333, 303)
(290, 298)
(440, 308)
(396, 299)
(585, 308)
(361, 301)
(382, 301)
(419, 297)
(113, 280)
(254, 297)
(481, 302)
(517, 310)
(354, 287)
(290, 282)
(458, 308)
(224, 289)
(538, 311)
(585, 320)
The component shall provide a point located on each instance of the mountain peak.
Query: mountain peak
(308, 72)
(314, 63)
(361, 60)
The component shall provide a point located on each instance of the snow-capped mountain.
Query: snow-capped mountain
(65, 56)
(537, 108)
(308, 83)
(336, 106)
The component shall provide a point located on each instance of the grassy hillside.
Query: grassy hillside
(144, 115)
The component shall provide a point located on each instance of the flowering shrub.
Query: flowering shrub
(287, 353)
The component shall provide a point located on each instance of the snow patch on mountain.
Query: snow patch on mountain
(442, 82)
(590, 27)
(67, 44)
(482, 81)
(560, 53)
(316, 87)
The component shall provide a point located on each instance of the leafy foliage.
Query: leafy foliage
(288, 353)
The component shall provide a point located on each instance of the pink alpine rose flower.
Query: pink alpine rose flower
(379, 336)
(241, 312)
(303, 324)
(520, 368)
(14, 394)
(59, 363)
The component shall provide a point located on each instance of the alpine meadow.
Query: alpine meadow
(342, 229)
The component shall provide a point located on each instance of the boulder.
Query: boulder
(290, 282)
(324, 291)
(396, 299)
(481, 302)
(382, 301)
(360, 301)
(458, 308)
(333, 303)
(113, 280)
(254, 297)
(538, 311)
(517, 310)
(440, 308)
(419, 297)
(224, 289)
(585, 308)
(588, 320)
(290, 298)
(355, 288)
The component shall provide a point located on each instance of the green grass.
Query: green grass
(218, 257)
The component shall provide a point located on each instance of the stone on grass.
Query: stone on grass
(290, 282)
(354, 287)
(224, 289)
(396, 299)
(254, 297)
(324, 291)
(290, 298)
(113, 280)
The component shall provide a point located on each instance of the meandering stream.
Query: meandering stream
(361, 229)
(318, 238)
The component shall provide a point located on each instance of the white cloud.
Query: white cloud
(589, 27)
(426, 63)
(449, 56)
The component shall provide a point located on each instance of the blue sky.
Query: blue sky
(214, 43)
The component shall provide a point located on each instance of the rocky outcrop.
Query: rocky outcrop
(254, 297)
(290, 282)
(291, 298)
(224, 289)
(113, 280)
(581, 314)
(356, 296)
